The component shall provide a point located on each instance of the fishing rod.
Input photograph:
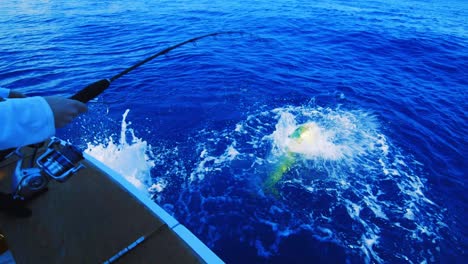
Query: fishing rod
(93, 90)
(61, 159)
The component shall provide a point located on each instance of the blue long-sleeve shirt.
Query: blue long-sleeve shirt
(24, 121)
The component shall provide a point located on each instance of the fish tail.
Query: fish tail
(281, 168)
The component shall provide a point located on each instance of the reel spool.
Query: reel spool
(59, 162)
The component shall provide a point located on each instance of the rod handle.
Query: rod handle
(91, 91)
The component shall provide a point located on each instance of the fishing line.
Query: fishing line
(93, 90)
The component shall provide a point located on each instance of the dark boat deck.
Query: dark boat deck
(89, 219)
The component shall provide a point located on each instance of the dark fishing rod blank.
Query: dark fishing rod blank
(93, 90)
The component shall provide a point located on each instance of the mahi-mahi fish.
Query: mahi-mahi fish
(300, 142)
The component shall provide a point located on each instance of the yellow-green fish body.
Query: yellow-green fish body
(302, 136)
(282, 167)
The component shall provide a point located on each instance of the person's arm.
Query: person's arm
(25, 121)
(31, 120)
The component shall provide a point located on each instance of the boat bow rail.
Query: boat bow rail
(205, 253)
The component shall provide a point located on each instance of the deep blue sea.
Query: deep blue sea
(382, 85)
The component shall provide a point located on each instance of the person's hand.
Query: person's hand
(65, 110)
(14, 94)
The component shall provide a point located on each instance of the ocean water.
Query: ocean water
(375, 89)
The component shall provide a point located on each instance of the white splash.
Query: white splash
(343, 163)
(132, 159)
(205, 166)
(313, 142)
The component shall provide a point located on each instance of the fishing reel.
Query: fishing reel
(59, 162)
